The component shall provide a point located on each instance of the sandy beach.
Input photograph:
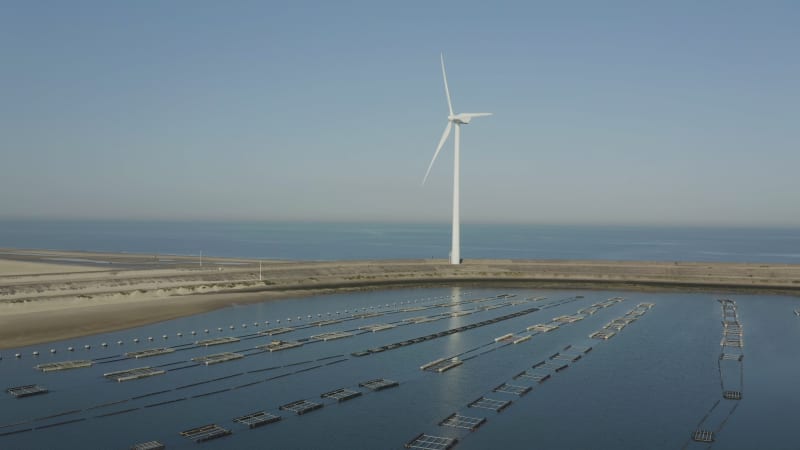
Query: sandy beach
(52, 295)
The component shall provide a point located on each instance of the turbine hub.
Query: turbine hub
(461, 119)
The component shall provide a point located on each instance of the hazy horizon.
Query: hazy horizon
(678, 114)
(445, 223)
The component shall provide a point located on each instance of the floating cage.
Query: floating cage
(568, 318)
(257, 419)
(512, 389)
(151, 445)
(300, 407)
(274, 331)
(614, 326)
(579, 348)
(379, 384)
(542, 328)
(341, 395)
(505, 337)
(149, 352)
(206, 433)
(488, 403)
(331, 336)
(421, 319)
(521, 339)
(555, 366)
(378, 327)
(731, 356)
(217, 358)
(27, 390)
(736, 342)
(703, 436)
(133, 374)
(64, 365)
(732, 395)
(442, 365)
(216, 341)
(588, 311)
(570, 357)
(491, 307)
(458, 421)
(426, 441)
(278, 345)
(602, 334)
(329, 322)
(606, 303)
(533, 375)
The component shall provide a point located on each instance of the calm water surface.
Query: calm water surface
(647, 387)
(315, 241)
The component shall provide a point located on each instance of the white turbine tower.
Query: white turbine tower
(458, 120)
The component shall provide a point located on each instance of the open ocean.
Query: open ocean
(533, 373)
(349, 241)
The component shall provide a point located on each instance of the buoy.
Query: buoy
(18, 355)
(164, 336)
(278, 321)
(35, 353)
(149, 338)
(136, 340)
(52, 350)
(231, 327)
(288, 319)
(87, 346)
(206, 330)
(219, 328)
(104, 344)
(70, 349)
(244, 325)
(180, 334)
(255, 324)
(119, 342)
(193, 333)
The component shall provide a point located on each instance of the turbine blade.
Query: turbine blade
(438, 148)
(473, 115)
(446, 89)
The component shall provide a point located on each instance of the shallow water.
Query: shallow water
(647, 387)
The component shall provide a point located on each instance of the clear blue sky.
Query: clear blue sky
(634, 112)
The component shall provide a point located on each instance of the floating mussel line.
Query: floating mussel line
(350, 311)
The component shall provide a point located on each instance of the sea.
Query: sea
(461, 367)
(358, 241)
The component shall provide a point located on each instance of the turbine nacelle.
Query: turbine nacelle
(465, 118)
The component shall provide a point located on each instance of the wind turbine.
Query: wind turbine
(458, 120)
